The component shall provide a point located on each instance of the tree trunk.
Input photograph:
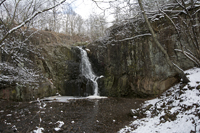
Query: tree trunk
(180, 72)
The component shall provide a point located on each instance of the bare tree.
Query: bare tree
(15, 66)
(27, 21)
(96, 26)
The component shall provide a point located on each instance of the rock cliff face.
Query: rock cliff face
(61, 68)
(58, 63)
(128, 58)
(132, 64)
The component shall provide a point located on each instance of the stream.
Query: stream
(74, 116)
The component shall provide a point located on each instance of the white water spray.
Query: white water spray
(86, 70)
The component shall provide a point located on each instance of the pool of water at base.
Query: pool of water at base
(77, 115)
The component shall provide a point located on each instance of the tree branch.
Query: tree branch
(179, 38)
(26, 21)
(2, 2)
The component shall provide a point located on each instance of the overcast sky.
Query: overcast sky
(87, 7)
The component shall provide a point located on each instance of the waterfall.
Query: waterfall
(86, 70)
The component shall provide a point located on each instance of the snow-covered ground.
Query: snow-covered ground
(175, 111)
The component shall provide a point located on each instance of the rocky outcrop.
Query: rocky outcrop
(132, 64)
(129, 60)
(57, 64)
(61, 66)
(57, 61)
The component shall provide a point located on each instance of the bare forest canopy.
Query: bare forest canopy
(61, 19)
(21, 20)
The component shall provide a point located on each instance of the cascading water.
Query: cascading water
(86, 70)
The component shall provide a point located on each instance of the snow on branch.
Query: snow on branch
(196, 12)
(178, 67)
(131, 38)
(17, 74)
(190, 56)
(171, 21)
(127, 39)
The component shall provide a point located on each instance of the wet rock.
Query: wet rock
(163, 105)
(168, 117)
(170, 102)
(148, 107)
(191, 87)
(79, 87)
(139, 113)
(168, 93)
(198, 87)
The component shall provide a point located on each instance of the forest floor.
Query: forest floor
(177, 110)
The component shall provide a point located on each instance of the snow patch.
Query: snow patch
(176, 110)
(9, 115)
(60, 124)
(39, 130)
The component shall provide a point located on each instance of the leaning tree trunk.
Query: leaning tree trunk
(180, 72)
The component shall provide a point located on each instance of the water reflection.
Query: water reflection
(75, 115)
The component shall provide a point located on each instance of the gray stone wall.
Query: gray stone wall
(136, 67)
